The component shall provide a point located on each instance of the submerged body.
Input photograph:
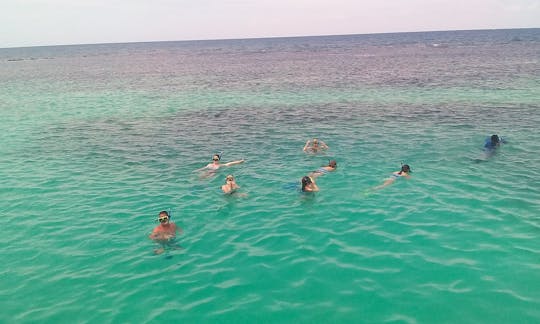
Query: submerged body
(403, 173)
(164, 233)
(491, 146)
(230, 185)
(211, 168)
(331, 167)
(315, 146)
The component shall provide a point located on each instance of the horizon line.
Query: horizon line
(264, 37)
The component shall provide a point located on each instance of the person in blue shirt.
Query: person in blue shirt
(491, 145)
(493, 142)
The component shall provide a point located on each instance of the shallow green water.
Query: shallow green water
(92, 151)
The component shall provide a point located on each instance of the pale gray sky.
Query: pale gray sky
(53, 22)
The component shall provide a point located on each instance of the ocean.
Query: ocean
(97, 139)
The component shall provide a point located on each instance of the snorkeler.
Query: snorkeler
(491, 146)
(215, 165)
(309, 185)
(165, 232)
(403, 173)
(332, 166)
(315, 146)
(493, 142)
(230, 185)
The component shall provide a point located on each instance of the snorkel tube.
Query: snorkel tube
(405, 168)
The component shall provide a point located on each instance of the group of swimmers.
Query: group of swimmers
(308, 182)
(230, 185)
(165, 232)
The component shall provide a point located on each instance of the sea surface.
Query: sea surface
(95, 140)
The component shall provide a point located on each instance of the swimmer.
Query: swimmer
(165, 232)
(315, 146)
(309, 185)
(230, 185)
(215, 165)
(403, 173)
(493, 143)
(332, 166)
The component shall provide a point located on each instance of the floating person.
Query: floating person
(332, 166)
(491, 144)
(494, 142)
(403, 173)
(315, 146)
(211, 168)
(230, 185)
(309, 185)
(164, 233)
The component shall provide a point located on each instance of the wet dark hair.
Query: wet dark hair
(218, 156)
(164, 212)
(305, 181)
(405, 168)
(332, 164)
(495, 139)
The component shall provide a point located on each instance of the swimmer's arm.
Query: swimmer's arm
(234, 162)
(154, 235)
(314, 185)
(203, 168)
(306, 146)
(323, 145)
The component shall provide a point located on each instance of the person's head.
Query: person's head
(229, 178)
(315, 142)
(163, 217)
(305, 182)
(216, 158)
(405, 168)
(495, 139)
(332, 164)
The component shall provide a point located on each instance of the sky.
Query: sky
(59, 22)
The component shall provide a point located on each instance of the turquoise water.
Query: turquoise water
(97, 139)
